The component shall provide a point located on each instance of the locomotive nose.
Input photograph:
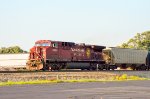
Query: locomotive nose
(36, 52)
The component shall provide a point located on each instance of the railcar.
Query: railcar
(124, 58)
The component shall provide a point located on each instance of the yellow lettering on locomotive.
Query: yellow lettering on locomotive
(88, 52)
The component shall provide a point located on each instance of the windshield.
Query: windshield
(43, 44)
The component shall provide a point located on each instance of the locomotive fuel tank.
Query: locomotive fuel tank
(79, 65)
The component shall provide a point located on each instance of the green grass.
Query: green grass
(123, 77)
(126, 77)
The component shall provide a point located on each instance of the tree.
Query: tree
(140, 41)
(13, 49)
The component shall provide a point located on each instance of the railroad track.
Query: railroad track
(111, 71)
(145, 74)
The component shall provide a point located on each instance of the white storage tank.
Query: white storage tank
(13, 60)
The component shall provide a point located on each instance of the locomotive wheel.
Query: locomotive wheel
(48, 67)
(82, 69)
(88, 69)
(60, 66)
(107, 68)
(100, 67)
(93, 68)
(56, 67)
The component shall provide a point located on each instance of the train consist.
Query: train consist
(56, 55)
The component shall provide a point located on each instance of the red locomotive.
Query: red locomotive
(56, 55)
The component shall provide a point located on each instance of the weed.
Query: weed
(123, 77)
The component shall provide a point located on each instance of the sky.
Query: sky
(102, 22)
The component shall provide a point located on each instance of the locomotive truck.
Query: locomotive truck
(57, 55)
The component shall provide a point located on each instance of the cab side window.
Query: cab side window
(69, 44)
(64, 44)
(55, 45)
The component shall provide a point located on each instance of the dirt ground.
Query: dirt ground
(4, 77)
